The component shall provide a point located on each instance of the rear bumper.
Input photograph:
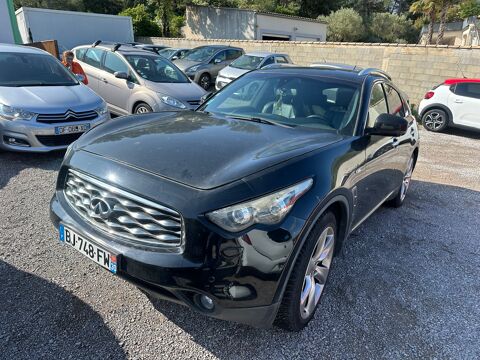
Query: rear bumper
(31, 136)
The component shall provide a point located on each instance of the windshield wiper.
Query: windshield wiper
(259, 120)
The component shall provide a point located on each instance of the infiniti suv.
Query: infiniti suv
(238, 208)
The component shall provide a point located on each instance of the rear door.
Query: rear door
(465, 104)
(92, 65)
(115, 91)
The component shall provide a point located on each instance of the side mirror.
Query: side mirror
(388, 125)
(121, 75)
(217, 61)
(206, 97)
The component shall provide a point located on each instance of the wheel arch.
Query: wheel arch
(437, 106)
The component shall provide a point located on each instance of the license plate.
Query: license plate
(102, 257)
(71, 129)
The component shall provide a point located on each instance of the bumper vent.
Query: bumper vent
(131, 218)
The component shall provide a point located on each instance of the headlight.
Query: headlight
(12, 113)
(268, 210)
(193, 68)
(102, 109)
(173, 102)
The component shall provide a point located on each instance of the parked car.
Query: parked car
(149, 47)
(237, 209)
(203, 63)
(43, 106)
(173, 53)
(454, 103)
(249, 62)
(133, 80)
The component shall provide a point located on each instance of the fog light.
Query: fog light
(10, 140)
(207, 302)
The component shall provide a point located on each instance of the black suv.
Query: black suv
(238, 208)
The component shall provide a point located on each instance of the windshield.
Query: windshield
(289, 99)
(247, 62)
(24, 69)
(166, 53)
(200, 54)
(156, 68)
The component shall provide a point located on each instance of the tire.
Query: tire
(435, 120)
(142, 108)
(399, 199)
(298, 304)
(205, 81)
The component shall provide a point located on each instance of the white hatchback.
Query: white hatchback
(454, 103)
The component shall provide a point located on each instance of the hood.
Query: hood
(50, 99)
(184, 91)
(185, 64)
(199, 150)
(232, 73)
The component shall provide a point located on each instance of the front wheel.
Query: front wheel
(142, 108)
(309, 276)
(205, 81)
(435, 120)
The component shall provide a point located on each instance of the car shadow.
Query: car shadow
(40, 320)
(471, 134)
(18, 161)
(387, 295)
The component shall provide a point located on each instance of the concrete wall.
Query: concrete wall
(208, 22)
(415, 69)
(297, 30)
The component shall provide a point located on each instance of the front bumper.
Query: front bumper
(30, 134)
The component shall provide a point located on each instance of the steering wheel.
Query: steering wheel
(320, 118)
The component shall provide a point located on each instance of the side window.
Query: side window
(377, 105)
(222, 56)
(113, 64)
(281, 60)
(395, 103)
(80, 53)
(93, 57)
(269, 61)
(468, 89)
(233, 54)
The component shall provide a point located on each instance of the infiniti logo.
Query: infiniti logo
(101, 208)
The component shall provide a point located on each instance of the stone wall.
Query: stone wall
(414, 68)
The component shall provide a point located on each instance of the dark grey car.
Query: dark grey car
(203, 63)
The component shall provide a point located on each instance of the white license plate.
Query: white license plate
(87, 248)
(71, 129)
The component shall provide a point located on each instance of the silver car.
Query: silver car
(133, 80)
(173, 53)
(203, 63)
(43, 107)
(249, 62)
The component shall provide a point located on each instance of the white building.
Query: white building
(204, 22)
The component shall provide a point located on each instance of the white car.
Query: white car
(454, 103)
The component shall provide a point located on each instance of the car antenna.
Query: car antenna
(115, 47)
(459, 68)
(96, 43)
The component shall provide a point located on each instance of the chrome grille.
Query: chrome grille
(137, 220)
(68, 116)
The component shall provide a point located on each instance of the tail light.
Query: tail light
(429, 95)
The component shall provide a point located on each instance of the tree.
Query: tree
(386, 27)
(445, 6)
(344, 25)
(366, 8)
(427, 8)
(468, 8)
(143, 25)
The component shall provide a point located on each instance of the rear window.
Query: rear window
(93, 57)
(80, 53)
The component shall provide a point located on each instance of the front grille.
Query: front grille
(136, 220)
(69, 116)
(58, 140)
(194, 102)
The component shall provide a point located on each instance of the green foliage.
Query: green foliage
(386, 27)
(176, 24)
(344, 25)
(468, 8)
(143, 24)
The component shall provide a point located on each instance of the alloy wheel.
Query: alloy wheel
(142, 110)
(434, 121)
(317, 272)
(407, 178)
(205, 82)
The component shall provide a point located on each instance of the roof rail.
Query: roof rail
(334, 66)
(116, 47)
(96, 43)
(374, 71)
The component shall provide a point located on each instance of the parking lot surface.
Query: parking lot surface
(407, 284)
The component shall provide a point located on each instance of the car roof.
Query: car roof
(357, 76)
(20, 49)
(461, 80)
(264, 53)
(123, 49)
(218, 47)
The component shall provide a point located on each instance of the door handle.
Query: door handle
(104, 80)
(395, 142)
(458, 101)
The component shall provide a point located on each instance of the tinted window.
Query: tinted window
(222, 56)
(468, 89)
(200, 54)
(20, 69)
(156, 68)
(247, 62)
(113, 63)
(281, 60)
(289, 99)
(377, 106)
(233, 54)
(93, 57)
(395, 104)
(79, 53)
(269, 61)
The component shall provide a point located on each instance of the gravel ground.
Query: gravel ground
(406, 285)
